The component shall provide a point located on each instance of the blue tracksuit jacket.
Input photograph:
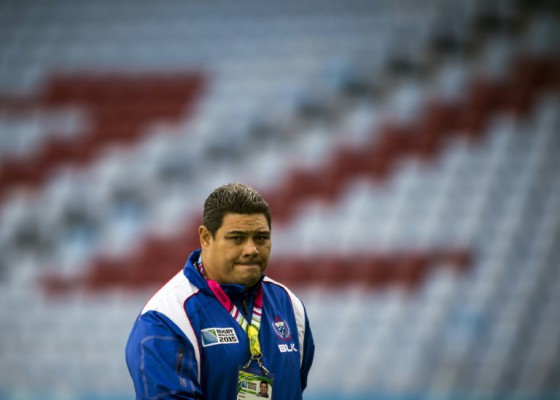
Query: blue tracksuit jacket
(169, 358)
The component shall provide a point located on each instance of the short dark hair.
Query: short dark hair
(235, 198)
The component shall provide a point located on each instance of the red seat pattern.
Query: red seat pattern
(120, 108)
(159, 260)
(154, 263)
(424, 139)
(371, 270)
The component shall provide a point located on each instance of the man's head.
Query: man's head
(235, 235)
(264, 387)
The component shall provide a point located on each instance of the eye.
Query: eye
(261, 239)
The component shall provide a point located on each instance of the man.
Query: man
(220, 326)
(264, 390)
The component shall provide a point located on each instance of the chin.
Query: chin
(248, 282)
(251, 279)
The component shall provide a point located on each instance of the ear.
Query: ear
(205, 236)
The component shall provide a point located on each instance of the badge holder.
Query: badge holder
(252, 384)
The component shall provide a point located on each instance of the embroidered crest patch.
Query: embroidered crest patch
(282, 329)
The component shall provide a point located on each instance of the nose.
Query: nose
(250, 249)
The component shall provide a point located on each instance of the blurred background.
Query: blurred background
(409, 150)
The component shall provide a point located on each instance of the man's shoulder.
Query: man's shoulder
(281, 288)
(168, 304)
(172, 295)
(274, 283)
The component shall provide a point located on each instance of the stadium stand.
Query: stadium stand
(409, 150)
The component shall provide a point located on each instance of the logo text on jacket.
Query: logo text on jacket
(214, 336)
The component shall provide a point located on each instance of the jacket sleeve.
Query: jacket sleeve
(161, 360)
(308, 353)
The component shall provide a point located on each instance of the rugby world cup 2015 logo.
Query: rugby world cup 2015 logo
(282, 329)
(214, 336)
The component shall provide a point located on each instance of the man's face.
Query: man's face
(264, 388)
(239, 251)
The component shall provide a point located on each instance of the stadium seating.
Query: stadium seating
(409, 152)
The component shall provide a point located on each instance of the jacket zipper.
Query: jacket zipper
(245, 309)
(179, 367)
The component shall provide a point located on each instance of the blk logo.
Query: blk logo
(284, 348)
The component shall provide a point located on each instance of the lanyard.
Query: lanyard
(251, 329)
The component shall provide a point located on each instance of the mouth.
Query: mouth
(249, 265)
(255, 264)
(247, 274)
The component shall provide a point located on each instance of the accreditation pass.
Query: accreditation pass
(251, 386)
